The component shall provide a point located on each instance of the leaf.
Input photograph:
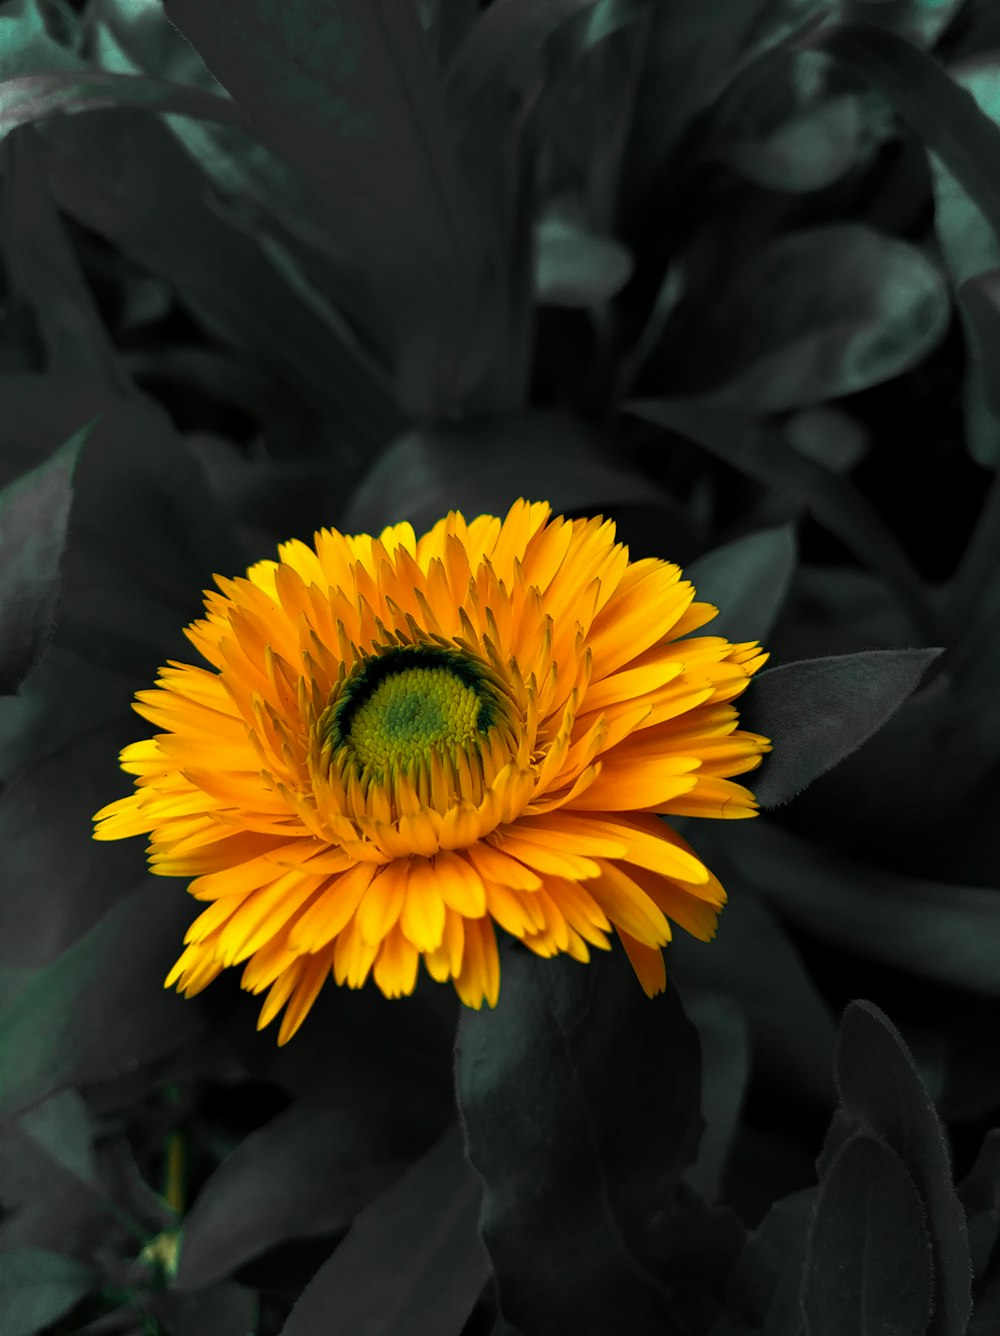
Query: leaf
(37, 1287)
(580, 1100)
(765, 1284)
(725, 1067)
(483, 466)
(979, 1193)
(754, 961)
(62, 1126)
(933, 929)
(34, 97)
(829, 436)
(575, 267)
(808, 151)
(818, 711)
(308, 1171)
(748, 581)
(347, 92)
(941, 113)
(827, 312)
(223, 1310)
(34, 513)
(412, 1264)
(834, 500)
(882, 1092)
(100, 1008)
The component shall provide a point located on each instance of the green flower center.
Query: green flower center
(404, 702)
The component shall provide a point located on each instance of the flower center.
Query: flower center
(406, 702)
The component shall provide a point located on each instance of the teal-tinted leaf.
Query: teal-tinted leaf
(978, 303)
(827, 312)
(412, 1264)
(754, 961)
(347, 92)
(882, 1092)
(34, 513)
(979, 1193)
(919, 21)
(829, 436)
(725, 1067)
(834, 500)
(868, 1270)
(932, 929)
(575, 267)
(26, 44)
(941, 112)
(765, 1286)
(808, 152)
(37, 1287)
(748, 581)
(62, 1126)
(34, 97)
(818, 711)
(308, 1171)
(100, 1009)
(223, 1310)
(580, 1102)
(484, 466)
(46, 274)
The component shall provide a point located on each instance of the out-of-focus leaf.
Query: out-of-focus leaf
(941, 112)
(748, 581)
(753, 960)
(34, 513)
(764, 1287)
(829, 436)
(61, 1125)
(484, 466)
(881, 1092)
(809, 151)
(826, 312)
(937, 931)
(223, 1310)
(575, 267)
(919, 21)
(979, 1193)
(412, 1264)
(580, 1102)
(307, 1172)
(834, 501)
(37, 1287)
(46, 273)
(34, 97)
(820, 710)
(348, 92)
(868, 1270)
(26, 44)
(99, 1009)
(725, 1066)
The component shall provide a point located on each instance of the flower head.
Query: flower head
(402, 744)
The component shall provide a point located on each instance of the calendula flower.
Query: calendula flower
(404, 743)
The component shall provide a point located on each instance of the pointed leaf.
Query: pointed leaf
(412, 1264)
(748, 581)
(766, 1282)
(37, 1287)
(34, 513)
(882, 1092)
(580, 1101)
(818, 711)
(62, 1126)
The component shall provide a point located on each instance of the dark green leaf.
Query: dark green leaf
(100, 1008)
(34, 513)
(222, 1310)
(580, 1102)
(820, 710)
(809, 151)
(38, 1287)
(765, 1286)
(307, 1172)
(27, 45)
(62, 1126)
(827, 312)
(834, 501)
(34, 97)
(934, 929)
(748, 581)
(942, 113)
(979, 1193)
(725, 1067)
(882, 1092)
(829, 436)
(576, 267)
(412, 1264)
(484, 466)
(868, 1269)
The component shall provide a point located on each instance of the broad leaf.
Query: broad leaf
(37, 1287)
(765, 1286)
(748, 581)
(868, 1270)
(412, 1264)
(34, 514)
(61, 1125)
(818, 711)
(580, 1102)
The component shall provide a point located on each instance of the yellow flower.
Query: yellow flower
(403, 743)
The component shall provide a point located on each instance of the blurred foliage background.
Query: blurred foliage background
(728, 273)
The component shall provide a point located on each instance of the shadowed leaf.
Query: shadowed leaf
(37, 1287)
(748, 581)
